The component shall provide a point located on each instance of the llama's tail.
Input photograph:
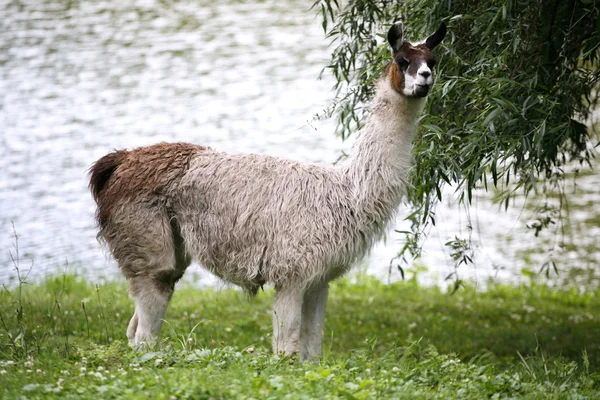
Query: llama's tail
(102, 170)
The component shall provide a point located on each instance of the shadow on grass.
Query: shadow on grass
(501, 322)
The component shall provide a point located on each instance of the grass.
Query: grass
(66, 338)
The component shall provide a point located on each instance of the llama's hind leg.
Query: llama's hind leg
(151, 295)
(132, 328)
(151, 254)
(313, 322)
(287, 316)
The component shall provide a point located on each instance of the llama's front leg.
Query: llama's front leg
(151, 300)
(287, 318)
(313, 322)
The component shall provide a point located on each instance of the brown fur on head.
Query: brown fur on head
(410, 73)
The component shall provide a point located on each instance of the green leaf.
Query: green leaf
(491, 116)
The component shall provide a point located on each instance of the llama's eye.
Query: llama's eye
(403, 62)
(431, 63)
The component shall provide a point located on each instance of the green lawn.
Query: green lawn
(383, 341)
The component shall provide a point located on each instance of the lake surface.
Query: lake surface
(78, 79)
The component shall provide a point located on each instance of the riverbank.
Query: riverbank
(382, 341)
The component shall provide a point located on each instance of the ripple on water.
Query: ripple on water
(79, 82)
(239, 76)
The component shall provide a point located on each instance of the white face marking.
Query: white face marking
(409, 84)
(424, 77)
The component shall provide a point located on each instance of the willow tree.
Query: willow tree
(515, 85)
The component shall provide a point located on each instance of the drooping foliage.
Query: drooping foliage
(515, 85)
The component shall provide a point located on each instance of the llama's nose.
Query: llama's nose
(425, 74)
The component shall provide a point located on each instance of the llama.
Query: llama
(254, 219)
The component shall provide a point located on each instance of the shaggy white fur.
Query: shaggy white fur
(253, 219)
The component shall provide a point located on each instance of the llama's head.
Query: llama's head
(411, 71)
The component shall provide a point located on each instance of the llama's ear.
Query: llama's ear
(436, 38)
(395, 36)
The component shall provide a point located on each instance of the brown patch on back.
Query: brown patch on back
(143, 173)
(103, 169)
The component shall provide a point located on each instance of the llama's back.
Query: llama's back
(250, 219)
(253, 219)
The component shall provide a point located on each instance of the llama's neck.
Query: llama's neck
(381, 157)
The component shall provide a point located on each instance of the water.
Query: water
(78, 79)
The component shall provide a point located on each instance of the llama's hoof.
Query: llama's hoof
(143, 341)
(310, 358)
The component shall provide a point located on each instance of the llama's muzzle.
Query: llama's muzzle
(421, 90)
